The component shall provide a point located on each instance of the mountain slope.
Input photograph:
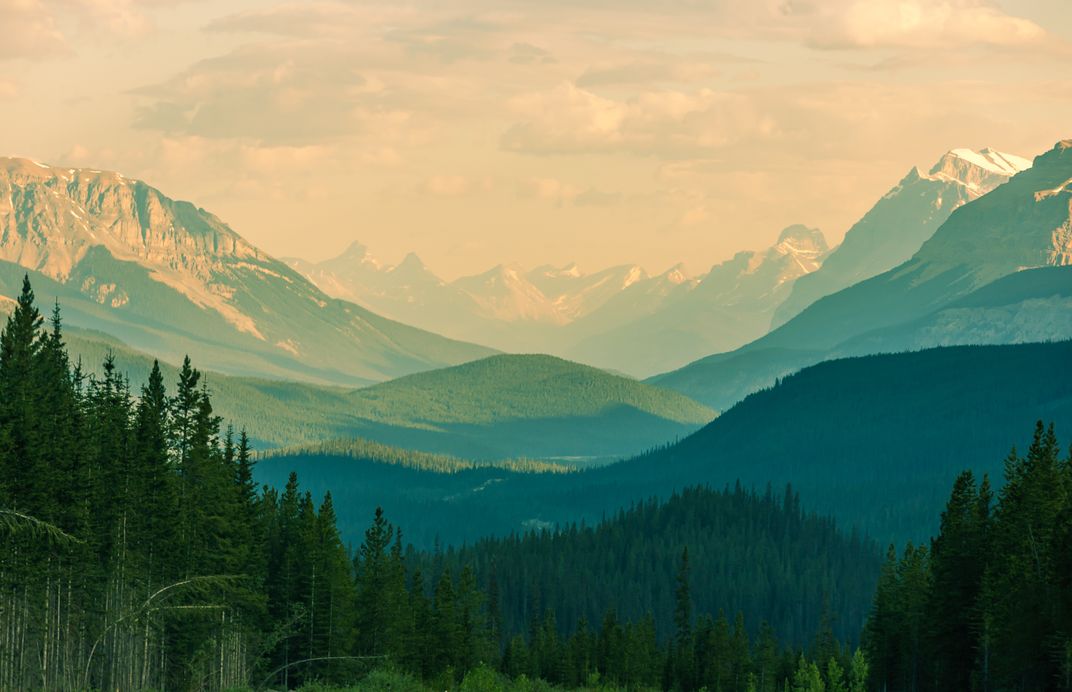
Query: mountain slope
(895, 228)
(1020, 225)
(172, 278)
(875, 441)
(1033, 305)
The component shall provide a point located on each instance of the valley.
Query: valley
(537, 510)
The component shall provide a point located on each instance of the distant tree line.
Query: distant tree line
(751, 552)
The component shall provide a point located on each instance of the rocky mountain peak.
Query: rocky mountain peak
(801, 239)
(358, 252)
(981, 170)
(50, 217)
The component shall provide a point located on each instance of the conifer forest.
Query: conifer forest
(139, 552)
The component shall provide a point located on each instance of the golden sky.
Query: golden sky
(484, 131)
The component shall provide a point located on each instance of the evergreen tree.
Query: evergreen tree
(958, 560)
(683, 664)
(374, 571)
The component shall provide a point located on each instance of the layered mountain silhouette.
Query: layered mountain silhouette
(875, 440)
(729, 306)
(624, 319)
(621, 317)
(949, 292)
(901, 221)
(171, 278)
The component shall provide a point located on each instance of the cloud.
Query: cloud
(28, 29)
(451, 40)
(568, 119)
(597, 198)
(277, 95)
(821, 24)
(323, 20)
(8, 89)
(647, 71)
(549, 189)
(42, 29)
(841, 24)
(123, 18)
(523, 53)
(561, 193)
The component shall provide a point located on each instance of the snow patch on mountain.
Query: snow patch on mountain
(995, 161)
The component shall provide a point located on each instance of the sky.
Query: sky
(479, 132)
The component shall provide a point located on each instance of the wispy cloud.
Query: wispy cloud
(565, 121)
(28, 29)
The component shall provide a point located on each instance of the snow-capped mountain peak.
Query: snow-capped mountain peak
(995, 161)
(981, 171)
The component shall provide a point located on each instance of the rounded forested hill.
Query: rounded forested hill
(502, 407)
(507, 387)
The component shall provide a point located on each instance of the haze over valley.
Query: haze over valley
(537, 347)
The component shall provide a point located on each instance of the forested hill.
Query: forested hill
(760, 555)
(497, 408)
(875, 440)
(526, 405)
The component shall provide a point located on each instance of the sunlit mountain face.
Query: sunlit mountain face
(529, 346)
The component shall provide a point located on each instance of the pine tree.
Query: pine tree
(683, 669)
(334, 614)
(26, 474)
(835, 677)
(155, 482)
(373, 568)
(807, 677)
(858, 672)
(1027, 513)
(958, 560)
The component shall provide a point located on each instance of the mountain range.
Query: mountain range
(624, 319)
(171, 278)
(621, 318)
(968, 283)
(901, 221)
(166, 277)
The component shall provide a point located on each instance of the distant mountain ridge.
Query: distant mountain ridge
(627, 320)
(167, 276)
(727, 307)
(585, 316)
